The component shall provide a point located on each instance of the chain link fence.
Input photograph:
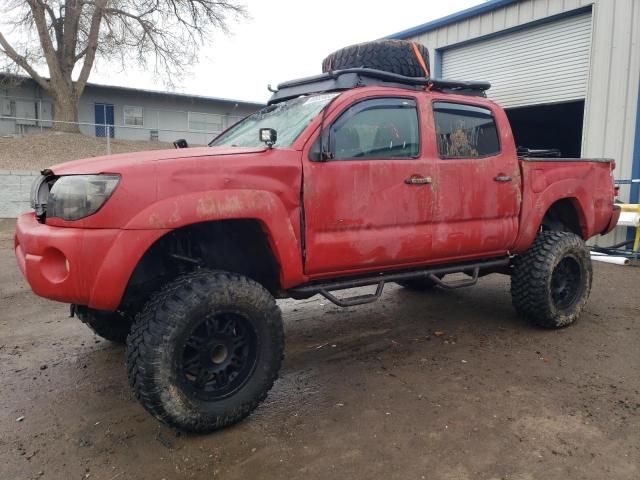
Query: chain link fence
(109, 134)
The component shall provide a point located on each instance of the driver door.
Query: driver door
(370, 205)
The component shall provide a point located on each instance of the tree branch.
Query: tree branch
(21, 61)
(92, 46)
(45, 41)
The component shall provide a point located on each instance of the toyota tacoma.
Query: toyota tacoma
(361, 176)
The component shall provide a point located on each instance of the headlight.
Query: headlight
(77, 196)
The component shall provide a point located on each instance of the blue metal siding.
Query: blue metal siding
(437, 63)
(634, 197)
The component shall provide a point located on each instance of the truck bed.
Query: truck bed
(584, 183)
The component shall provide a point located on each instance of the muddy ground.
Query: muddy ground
(447, 385)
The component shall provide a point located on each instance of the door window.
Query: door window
(376, 129)
(465, 131)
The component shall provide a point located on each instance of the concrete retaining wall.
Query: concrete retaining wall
(15, 190)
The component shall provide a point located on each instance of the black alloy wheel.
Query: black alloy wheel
(219, 356)
(566, 283)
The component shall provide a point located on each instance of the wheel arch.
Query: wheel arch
(565, 215)
(559, 208)
(241, 246)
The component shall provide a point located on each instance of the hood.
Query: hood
(115, 163)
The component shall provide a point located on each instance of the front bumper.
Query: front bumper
(79, 265)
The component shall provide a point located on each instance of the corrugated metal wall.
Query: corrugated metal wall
(614, 73)
(542, 64)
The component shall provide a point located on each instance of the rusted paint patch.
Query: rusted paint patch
(155, 220)
(209, 206)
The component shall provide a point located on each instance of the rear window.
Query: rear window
(465, 131)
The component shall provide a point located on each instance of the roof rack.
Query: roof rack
(361, 77)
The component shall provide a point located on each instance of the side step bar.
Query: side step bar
(472, 269)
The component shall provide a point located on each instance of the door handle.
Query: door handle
(415, 180)
(503, 178)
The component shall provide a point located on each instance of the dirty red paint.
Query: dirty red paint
(360, 215)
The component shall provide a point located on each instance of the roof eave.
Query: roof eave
(449, 19)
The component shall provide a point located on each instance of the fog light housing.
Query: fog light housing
(54, 265)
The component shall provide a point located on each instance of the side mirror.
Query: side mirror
(269, 136)
(320, 151)
(181, 143)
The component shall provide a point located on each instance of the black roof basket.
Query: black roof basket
(361, 77)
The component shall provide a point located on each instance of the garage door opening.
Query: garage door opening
(549, 126)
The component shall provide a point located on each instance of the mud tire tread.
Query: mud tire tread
(151, 334)
(396, 56)
(531, 278)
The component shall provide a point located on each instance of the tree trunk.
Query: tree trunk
(66, 110)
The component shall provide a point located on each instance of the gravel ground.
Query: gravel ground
(41, 150)
(438, 386)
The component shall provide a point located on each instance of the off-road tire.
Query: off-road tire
(156, 343)
(536, 288)
(395, 56)
(112, 326)
(419, 284)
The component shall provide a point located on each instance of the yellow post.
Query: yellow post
(634, 208)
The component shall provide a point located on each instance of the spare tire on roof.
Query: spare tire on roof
(396, 56)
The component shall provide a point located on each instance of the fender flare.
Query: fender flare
(265, 207)
(536, 205)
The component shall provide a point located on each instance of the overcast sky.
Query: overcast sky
(283, 40)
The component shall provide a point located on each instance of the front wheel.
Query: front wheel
(205, 350)
(551, 282)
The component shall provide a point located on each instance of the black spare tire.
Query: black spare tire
(395, 56)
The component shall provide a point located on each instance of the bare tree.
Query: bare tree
(68, 35)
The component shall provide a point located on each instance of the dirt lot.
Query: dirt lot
(41, 150)
(447, 385)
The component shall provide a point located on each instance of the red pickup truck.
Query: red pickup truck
(352, 178)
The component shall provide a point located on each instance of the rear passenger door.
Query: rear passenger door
(476, 181)
(369, 205)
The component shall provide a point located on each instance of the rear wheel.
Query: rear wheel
(112, 326)
(205, 350)
(551, 281)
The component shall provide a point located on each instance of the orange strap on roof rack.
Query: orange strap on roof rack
(420, 59)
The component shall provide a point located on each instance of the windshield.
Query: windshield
(288, 118)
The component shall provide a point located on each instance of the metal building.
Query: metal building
(121, 112)
(567, 71)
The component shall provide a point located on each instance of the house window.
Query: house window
(205, 122)
(465, 131)
(7, 107)
(133, 116)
